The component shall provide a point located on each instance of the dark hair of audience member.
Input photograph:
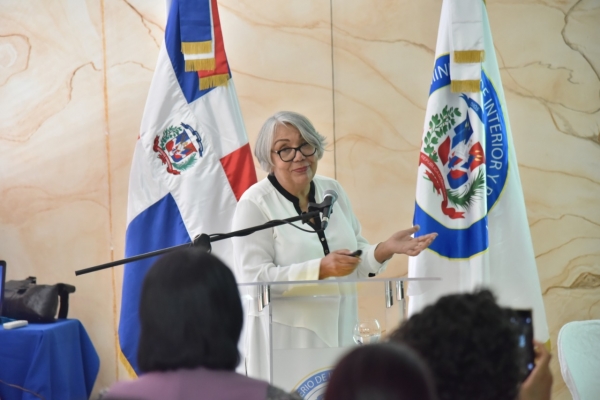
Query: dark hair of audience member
(191, 314)
(470, 345)
(387, 371)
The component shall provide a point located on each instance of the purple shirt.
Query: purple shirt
(199, 383)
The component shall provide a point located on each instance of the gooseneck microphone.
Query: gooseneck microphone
(329, 198)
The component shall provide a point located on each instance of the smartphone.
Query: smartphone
(2, 280)
(523, 321)
(357, 253)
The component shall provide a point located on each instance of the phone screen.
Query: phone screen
(2, 279)
(523, 321)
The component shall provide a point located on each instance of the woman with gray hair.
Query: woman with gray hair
(289, 149)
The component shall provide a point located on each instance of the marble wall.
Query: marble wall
(74, 76)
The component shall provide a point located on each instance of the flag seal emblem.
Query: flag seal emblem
(179, 147)
(453, 158)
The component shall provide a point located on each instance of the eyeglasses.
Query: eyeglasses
(287, 154)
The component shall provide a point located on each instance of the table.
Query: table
(50, 361)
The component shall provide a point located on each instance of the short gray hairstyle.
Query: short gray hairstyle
(264, 142)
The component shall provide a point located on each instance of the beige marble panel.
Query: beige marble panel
(552, 94)
(383, 53)
(280, 57)
(55, 207)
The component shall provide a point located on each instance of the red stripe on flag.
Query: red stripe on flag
(221, 66)
(239, 169)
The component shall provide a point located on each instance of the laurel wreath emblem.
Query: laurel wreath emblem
(468, 196)
(439, 125)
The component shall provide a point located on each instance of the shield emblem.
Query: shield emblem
(180, 147)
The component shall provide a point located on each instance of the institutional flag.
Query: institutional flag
(468, 185)
(191, 164)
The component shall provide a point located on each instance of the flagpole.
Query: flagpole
(203, 241)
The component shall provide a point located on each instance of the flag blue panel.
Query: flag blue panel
(157, 227)
(452, 243)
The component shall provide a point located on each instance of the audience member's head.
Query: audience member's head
(470, 345)
(191, 314)
(387, 371)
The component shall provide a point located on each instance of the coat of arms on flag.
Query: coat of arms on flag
(178, 147)
(453, 157)
(468, 186)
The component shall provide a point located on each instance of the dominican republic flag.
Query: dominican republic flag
(192, 161)
(468, 185)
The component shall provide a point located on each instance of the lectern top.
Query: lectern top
(339, 281)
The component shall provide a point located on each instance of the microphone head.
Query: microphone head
(330, 193)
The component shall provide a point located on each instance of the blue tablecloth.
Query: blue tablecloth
(56, 361)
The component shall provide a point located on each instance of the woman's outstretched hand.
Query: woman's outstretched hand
(338, 263)
(402, 242)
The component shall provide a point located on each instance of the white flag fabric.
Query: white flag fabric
(192, 162)
(469, 190)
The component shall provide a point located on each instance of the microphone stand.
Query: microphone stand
(203, 240)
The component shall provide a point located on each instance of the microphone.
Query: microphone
(329, 199)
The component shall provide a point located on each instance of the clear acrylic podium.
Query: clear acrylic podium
(296, 331)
